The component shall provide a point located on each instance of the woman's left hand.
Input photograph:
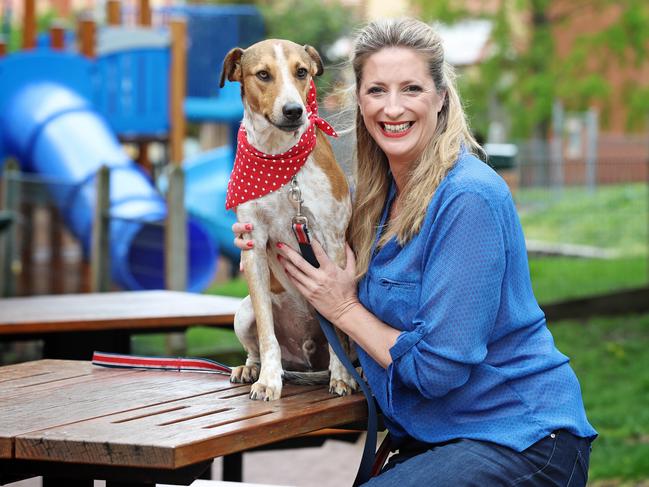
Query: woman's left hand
(330, 289)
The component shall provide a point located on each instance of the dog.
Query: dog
(277, 327)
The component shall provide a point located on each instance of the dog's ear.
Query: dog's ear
(317, 68)
(232, 66)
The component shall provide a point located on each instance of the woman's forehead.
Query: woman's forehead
(392, 64)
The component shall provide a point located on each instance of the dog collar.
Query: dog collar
(256, 173)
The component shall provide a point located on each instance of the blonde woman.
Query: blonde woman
(436, 292)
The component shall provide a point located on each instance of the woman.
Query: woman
(438, 296)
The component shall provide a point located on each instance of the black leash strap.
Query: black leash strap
(367, 468)
(367, 461)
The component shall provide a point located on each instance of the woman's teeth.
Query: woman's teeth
(396, 128)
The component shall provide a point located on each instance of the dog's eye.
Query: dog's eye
(263, 75)
(301, 73)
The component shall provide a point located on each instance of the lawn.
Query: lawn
(612, 217)
(611, 360)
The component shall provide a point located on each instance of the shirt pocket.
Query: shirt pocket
(396, 302)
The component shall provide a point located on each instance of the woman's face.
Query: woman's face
(399, 103)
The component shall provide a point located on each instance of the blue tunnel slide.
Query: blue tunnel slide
(48, 122)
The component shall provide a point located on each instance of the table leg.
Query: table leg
(233, 467)
(207, 474)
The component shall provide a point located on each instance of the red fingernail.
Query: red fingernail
(248, 226)
(279, 257)
(279, 245)
(249, 243)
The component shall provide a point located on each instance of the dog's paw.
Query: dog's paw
(341, 387)
(262, 392)
(246, 374)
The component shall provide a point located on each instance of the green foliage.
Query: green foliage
(310, 22)
(43, 24)
(314, 23)
(525, 75)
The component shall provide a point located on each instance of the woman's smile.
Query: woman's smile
(398, 129)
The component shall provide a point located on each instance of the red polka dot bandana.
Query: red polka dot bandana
(256, 173)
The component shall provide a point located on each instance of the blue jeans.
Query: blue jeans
(560, 459)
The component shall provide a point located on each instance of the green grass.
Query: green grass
(612, 217)
(558, 278)
(611, 360)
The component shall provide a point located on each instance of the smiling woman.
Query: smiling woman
(437, 293)
(399, 103)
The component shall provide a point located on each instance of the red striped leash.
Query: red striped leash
(178, 364)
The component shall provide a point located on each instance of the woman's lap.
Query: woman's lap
(561, 460)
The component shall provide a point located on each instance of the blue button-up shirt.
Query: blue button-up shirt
(475, 358)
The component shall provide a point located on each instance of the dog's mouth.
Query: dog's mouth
(289, 127)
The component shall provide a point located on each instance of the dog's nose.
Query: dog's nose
(292, 111)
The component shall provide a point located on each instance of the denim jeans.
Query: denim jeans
(560, 459)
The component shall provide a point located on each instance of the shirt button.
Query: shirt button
(552, 435)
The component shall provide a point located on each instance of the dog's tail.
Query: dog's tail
(307, 378)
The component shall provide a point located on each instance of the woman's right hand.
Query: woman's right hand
(239, 241)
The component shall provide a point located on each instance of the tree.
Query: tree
(524, 73)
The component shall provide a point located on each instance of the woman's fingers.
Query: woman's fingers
(239, 241)
(320, 254)
(239, 227)
(303, 282)
(297, 260)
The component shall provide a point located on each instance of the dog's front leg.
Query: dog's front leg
(269, 385)
(341, 381)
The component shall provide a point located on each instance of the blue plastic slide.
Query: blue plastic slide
(206, 182)
(49, 124)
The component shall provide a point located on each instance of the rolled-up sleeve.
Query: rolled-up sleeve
(463, 268)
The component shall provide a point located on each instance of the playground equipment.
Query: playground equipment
(127, 100)
(49, 121)
(49, 124)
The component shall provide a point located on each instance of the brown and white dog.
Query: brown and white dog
(275, 324)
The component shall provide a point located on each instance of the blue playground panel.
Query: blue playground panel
(206, 182)
(48, 122)
(213, 30)
(133, 91)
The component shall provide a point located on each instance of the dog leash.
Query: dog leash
(178, 364)
(371, 461)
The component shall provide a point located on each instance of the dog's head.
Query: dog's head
(275, 77)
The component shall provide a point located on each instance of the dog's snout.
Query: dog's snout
(292, 111)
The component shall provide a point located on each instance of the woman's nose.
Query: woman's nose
(393, 105)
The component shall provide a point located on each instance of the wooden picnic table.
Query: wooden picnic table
(73, 325)
(72, 421)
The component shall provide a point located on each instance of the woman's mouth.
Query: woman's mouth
(395, 129)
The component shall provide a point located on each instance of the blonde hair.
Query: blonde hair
(372, 170)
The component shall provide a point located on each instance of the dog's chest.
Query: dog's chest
(273, 213)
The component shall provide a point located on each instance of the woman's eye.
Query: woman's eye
(263, 75)
(374, 90)
(301, 73)
(413, 89)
